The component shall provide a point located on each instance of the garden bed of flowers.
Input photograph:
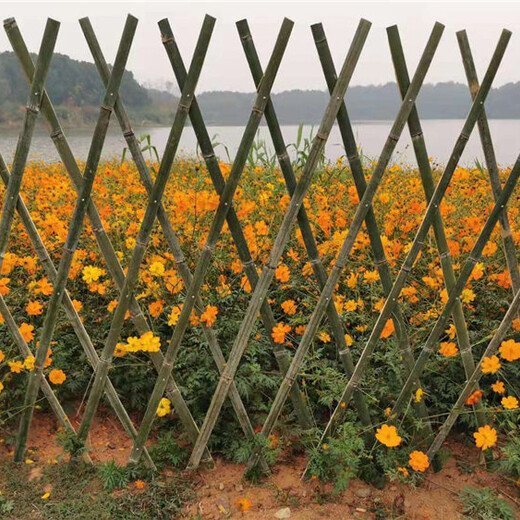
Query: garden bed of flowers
(190, 200)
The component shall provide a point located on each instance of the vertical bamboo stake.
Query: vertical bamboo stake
(353, 231)
(74, 232)
(425, 224)
(116, 271)
(214, 233)
(463, 278)
(491, 162)
(163, 218)
(281, 240)
(381, 262)
(303, 220)
(145, 231)
(71, 313)
(24, 142)
(423, 163)
(472, 382)
(281, 354)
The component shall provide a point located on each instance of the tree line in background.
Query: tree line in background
(76, 91)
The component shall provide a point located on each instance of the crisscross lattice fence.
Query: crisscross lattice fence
(289, 364)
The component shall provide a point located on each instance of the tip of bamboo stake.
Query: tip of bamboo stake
(392, 28)
(209, 18)
(9, 23)
(132, 18)
(52, 21)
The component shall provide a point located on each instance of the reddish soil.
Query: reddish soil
(219, 489)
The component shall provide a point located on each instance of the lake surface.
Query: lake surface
(440, 136)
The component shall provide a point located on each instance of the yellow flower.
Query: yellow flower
(510, 350)
(323, 336)
(57, 377)
(419, 395)
(1, 387)
(174, 316)
(485, 437)
(349, 340)
(92, 273)
(388, 436)
(490, 365)
(28, 364)
(2, 356)
(164, 407)
(510, 403)
(157, 269)
(45, 496)
(419, 461)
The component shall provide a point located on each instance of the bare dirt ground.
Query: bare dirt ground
(218, 490)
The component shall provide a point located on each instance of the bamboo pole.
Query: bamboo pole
(425, 224)
(353, 231)
(281, 240)
(472, 382)
(163, 218)
(24, 141)
(303, 220)
(70, 311)
(60, 142)
(214, 233)
(491, 162)
(380, 260)
(423, 163)
(144, 234)
(463, 278)
(73, 235)
(281, 354)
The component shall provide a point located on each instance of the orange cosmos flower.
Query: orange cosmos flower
(209, 316)
(419, 461)
(243, 504)
(490, 365)
(27, 332)
(282, 273)
(34, 308)
(57, 377)
(474, 398)
(2, 356)
(389, 329)
(289, 307)
(485, 437)
(510, 350)
(15, 366)
(279, 332)
(448, 349)
(388, 436)
(498, 387)
(510, 403)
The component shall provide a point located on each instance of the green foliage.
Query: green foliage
(145, 142)
(510, 461)
(70, 443)
(338, 460)
(113, 476)
(167, 450)
(482, 504)
(6, 506)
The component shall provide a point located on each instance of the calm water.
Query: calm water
(440, 137)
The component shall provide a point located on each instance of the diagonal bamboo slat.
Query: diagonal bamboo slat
(204, 140)
(425, 224)
(163, 218)
(279, 245)
(425, 171)
(349, 143)
(353, 231)
(60, 142)
(145, 231)
(214, 233)
(74, 232)
(303, 220)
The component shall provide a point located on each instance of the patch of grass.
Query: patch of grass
(78, 492)
(482, 504)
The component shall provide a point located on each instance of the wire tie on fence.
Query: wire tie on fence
(128, 134)
(393, 137)
(322, 136)
(33, 109)
(246, 36)
(315, 261)
(418, 134)
(382, 261)
(258, 110)
(167, 39)
(140, 242)
(321, 40)
(353, 156)
(108, 108)
(57, 134)
(283, 156)
(208, 156)
(464, 136)
(185, 107)
(9, 23)
(247, 264)
(445, 254)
